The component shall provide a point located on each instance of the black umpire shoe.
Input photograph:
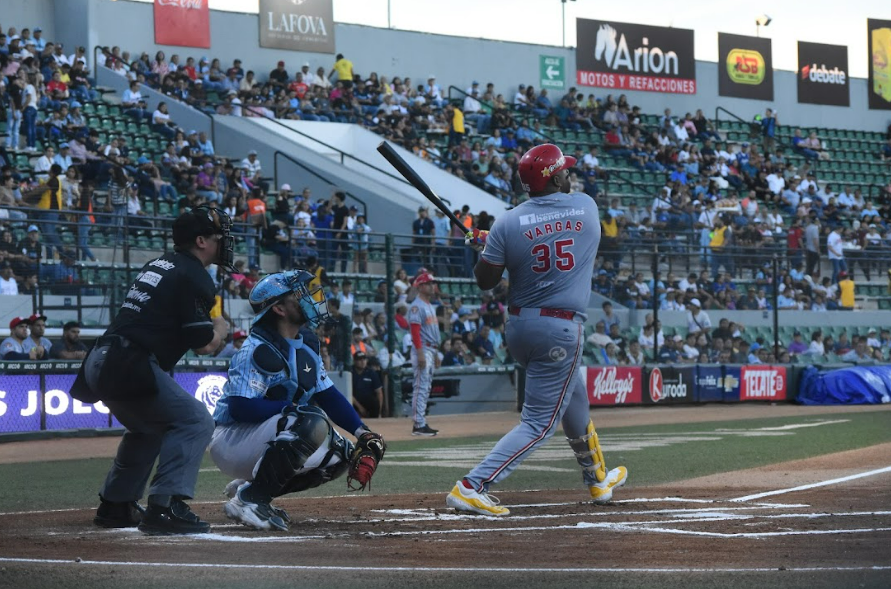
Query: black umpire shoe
(113, 514)
(424, 431)
(167, 516)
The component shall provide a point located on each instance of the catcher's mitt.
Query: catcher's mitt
(369, 451)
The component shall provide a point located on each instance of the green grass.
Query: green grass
(75, 483)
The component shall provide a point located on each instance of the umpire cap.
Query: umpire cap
(193, 223)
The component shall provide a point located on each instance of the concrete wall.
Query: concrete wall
(29, 14)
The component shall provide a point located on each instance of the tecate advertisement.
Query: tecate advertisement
(634, 57)
(823, 74)
(762, 383)
(613, 385)
(185, 23)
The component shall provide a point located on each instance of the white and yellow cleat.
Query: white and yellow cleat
(603, 492)
(463, 499)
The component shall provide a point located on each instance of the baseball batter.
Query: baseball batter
(425, 341)
(547, 245)
(273, 432)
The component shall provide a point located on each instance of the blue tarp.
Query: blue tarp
(859, 385)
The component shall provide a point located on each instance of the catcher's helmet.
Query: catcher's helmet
(275, 287)
(539, 164)
(423, 278)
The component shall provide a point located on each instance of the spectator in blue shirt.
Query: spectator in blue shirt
(509, 141)
(204, 144)
(679, 175)
(769, 129)
(482, 346)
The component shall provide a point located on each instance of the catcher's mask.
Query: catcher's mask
(275, 287)
(206, 221)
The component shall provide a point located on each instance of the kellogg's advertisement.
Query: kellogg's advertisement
(613, 385)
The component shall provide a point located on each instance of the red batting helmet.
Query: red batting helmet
(424, 278)
(539, 164)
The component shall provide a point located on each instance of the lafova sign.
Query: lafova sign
(823, 74)
(635, 57)
(297, 25)
(184, 23)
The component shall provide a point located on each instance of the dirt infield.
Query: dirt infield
(739, 529)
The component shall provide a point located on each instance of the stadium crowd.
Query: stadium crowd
(728, 207)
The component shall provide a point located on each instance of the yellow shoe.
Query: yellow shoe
(464, 499)
(603, 492)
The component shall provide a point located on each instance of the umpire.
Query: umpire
(165, 313)
(368, 391)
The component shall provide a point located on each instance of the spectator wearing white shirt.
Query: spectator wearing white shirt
(44, 162)
(161, 121)
(836, 253)
(8, 284)
(804, 185)
(816, 348)
(59, 57)
(698, 320)
(251, 164)
(776, 182)
(63, 158)
(520, 98)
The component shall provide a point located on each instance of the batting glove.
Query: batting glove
(476, 239)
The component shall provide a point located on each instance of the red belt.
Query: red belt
(558, 313)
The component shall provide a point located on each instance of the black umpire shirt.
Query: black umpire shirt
(167, 309)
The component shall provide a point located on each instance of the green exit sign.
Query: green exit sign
(553, 72)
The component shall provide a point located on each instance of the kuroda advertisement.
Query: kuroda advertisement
(745, 67)
(823, 74)
(635, 57)
(879, 46)
(184, 23)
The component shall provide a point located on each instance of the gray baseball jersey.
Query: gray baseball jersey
(423, 314)
(548, 245)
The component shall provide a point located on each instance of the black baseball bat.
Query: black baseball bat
(415, 180)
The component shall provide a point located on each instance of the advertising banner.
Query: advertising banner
(745, 67)
(878, 86)
(731, 383)
(614, 385)
(63, 412)
(709, 384)
(823, 74)
(19, 404)
(763, 383)
(184, 23)
(670, 384)
(634, 57)
(297, 26)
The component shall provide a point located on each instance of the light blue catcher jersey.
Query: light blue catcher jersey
(548, 245)
(303, 377)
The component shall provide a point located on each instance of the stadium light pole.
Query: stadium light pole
(563, 5)
(761, 21)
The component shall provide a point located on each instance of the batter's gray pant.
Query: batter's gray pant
(423, 380)
(172, 427)
(550, 349)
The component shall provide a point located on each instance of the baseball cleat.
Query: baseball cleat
(113, 514)
(603, 492)
(173, 519)
(232, 488)
(424, 431)
(254, 512)
(463, 499)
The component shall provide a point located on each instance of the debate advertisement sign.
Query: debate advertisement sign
(823, 74)
(297, 25)
(184, 23)
(878, 86)
(643, 58)
(745, 67)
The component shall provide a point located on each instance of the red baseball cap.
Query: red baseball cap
(238, 335)
(35, 317)
(424, 279)
(16, 321)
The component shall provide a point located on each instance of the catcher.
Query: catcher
(273, 432)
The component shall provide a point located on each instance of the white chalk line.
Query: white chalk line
(814, 485)
(476, 569)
